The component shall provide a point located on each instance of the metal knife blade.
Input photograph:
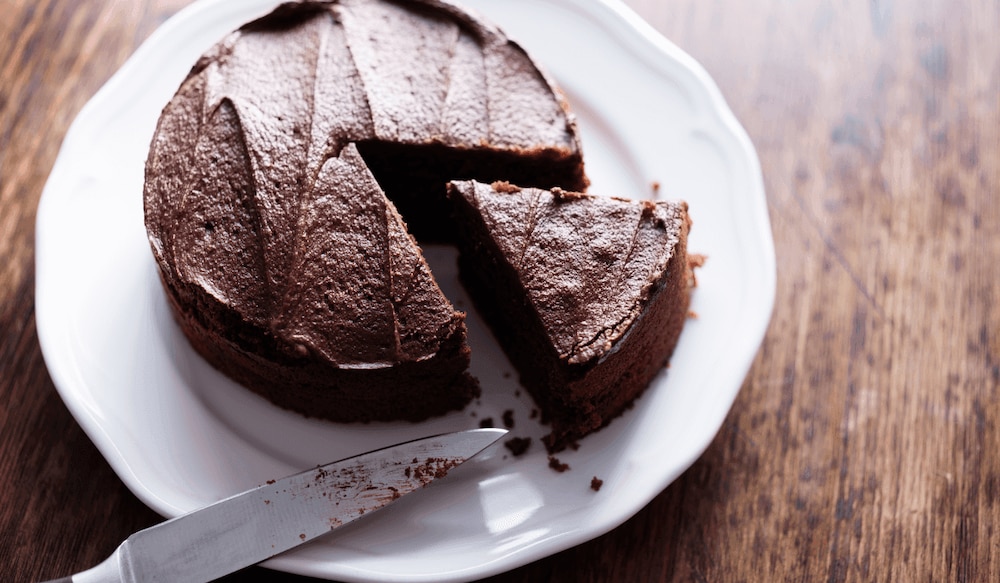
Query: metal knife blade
(255, 525)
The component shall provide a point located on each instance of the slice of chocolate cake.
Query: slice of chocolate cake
(587, 295)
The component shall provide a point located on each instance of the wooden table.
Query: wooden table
(865, 444)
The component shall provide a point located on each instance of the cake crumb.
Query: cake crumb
(508, 418)
(695, 261)
(656, 188)
(504, 186)
(559, 195)
(518, 445)
(596, 483)
(486, 423)
(557, 465)
(534, 414)
(692, 314)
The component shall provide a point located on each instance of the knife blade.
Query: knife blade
(260, 523)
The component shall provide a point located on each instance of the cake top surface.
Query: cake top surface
(360, 293)
(254, 136)
(587, 263)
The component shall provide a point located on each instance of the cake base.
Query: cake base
(408, 391)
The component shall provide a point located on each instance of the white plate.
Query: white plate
(180, 435)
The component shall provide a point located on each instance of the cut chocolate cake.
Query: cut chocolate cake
(587, 295)
(284, 264)
(361, 331)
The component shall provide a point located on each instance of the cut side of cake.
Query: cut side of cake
(587, 295)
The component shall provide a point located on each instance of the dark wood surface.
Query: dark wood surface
(864, 444)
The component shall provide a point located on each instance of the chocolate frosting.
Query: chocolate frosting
(359, 292)
(258, 205)
(588, 264)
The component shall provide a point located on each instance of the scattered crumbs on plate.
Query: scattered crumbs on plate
(557, 465)
(486, 422)
(518, 445)
(596, 483)
(508, 418)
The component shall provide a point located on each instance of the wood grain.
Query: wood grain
(864, 445)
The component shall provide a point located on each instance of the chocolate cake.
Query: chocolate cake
(283, 261)
(587, 295)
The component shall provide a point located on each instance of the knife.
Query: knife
(262, 522)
